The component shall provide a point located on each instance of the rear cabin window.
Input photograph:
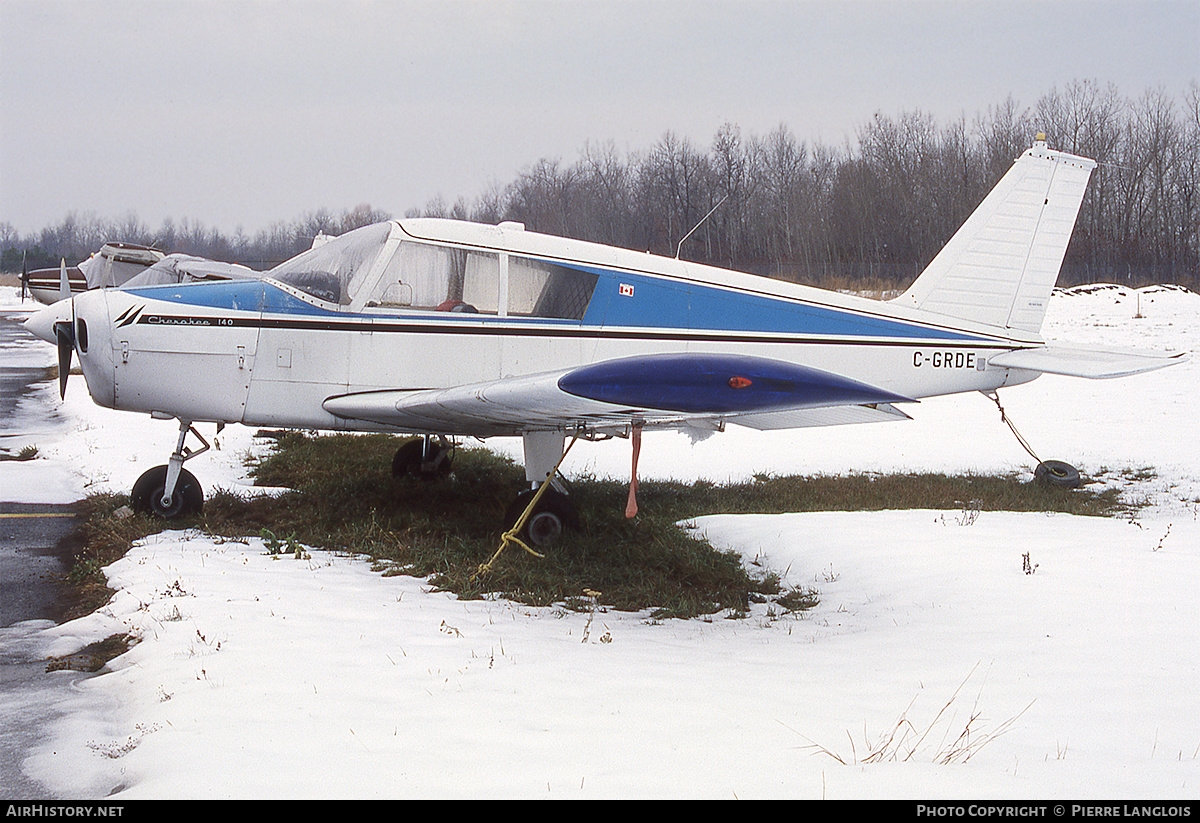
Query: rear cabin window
(537, 288)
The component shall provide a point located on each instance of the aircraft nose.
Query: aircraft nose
(41, 322)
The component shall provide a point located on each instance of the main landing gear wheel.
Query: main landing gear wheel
(147, 494)
(423, 458)
(1057, 473)
(555, 513)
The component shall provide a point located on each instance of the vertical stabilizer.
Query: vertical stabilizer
(1001, 266)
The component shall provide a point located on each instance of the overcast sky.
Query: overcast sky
(241, 114)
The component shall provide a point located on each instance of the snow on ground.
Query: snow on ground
(260, 676)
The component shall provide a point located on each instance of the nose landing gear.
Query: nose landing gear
(171, 491)
(150, 496)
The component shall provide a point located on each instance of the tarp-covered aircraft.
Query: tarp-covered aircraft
(119, 264)
(112, 265)
(444, 328)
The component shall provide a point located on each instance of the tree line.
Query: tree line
(869, 213)
(77, 237)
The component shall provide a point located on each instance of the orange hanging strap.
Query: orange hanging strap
(631, 508)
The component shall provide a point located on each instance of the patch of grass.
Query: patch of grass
(343, 498)
(938, 741)
(1143, 474)
(94, 656)
(346, 499)
(878, 492)
(107, 529)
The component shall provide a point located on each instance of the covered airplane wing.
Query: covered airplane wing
(1093, 363)
(658, 391)
(186, 268)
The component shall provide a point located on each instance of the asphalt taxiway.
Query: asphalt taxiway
(35, 550)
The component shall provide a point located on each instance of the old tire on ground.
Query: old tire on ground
(1057, 473)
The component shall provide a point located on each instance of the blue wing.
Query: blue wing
(658, 391)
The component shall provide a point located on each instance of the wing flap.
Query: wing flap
(832, 416)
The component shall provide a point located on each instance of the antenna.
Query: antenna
(679, 248)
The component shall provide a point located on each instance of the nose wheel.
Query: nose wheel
(149, 495)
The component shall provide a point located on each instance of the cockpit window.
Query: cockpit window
(439, 278)
(379, 269)
(327, 271)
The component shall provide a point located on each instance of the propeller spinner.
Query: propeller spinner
(56, 324)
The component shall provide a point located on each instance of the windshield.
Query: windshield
(328, 271)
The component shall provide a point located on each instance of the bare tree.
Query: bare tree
(671, 183)
(877, 209)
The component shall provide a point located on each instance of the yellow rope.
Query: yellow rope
(510, 536)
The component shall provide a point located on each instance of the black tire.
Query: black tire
(147, 494)
(555, 513)
(1057, 473)
(409, 461)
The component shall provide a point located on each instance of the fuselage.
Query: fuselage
(433, 304)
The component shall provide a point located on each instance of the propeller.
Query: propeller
(65, 334)
(24, 276)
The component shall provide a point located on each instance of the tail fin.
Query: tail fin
(1001, 266)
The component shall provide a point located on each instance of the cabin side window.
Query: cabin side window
(537, 288)
(439, 278)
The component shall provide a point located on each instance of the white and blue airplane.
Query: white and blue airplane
(446, 328)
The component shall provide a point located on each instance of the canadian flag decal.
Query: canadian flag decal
(625, 290)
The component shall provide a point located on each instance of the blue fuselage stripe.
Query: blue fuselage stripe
(623, 305)
(634, 300)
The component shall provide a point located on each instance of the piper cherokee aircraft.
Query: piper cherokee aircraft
(446, 328)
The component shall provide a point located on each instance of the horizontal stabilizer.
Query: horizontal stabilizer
(1093, 363)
